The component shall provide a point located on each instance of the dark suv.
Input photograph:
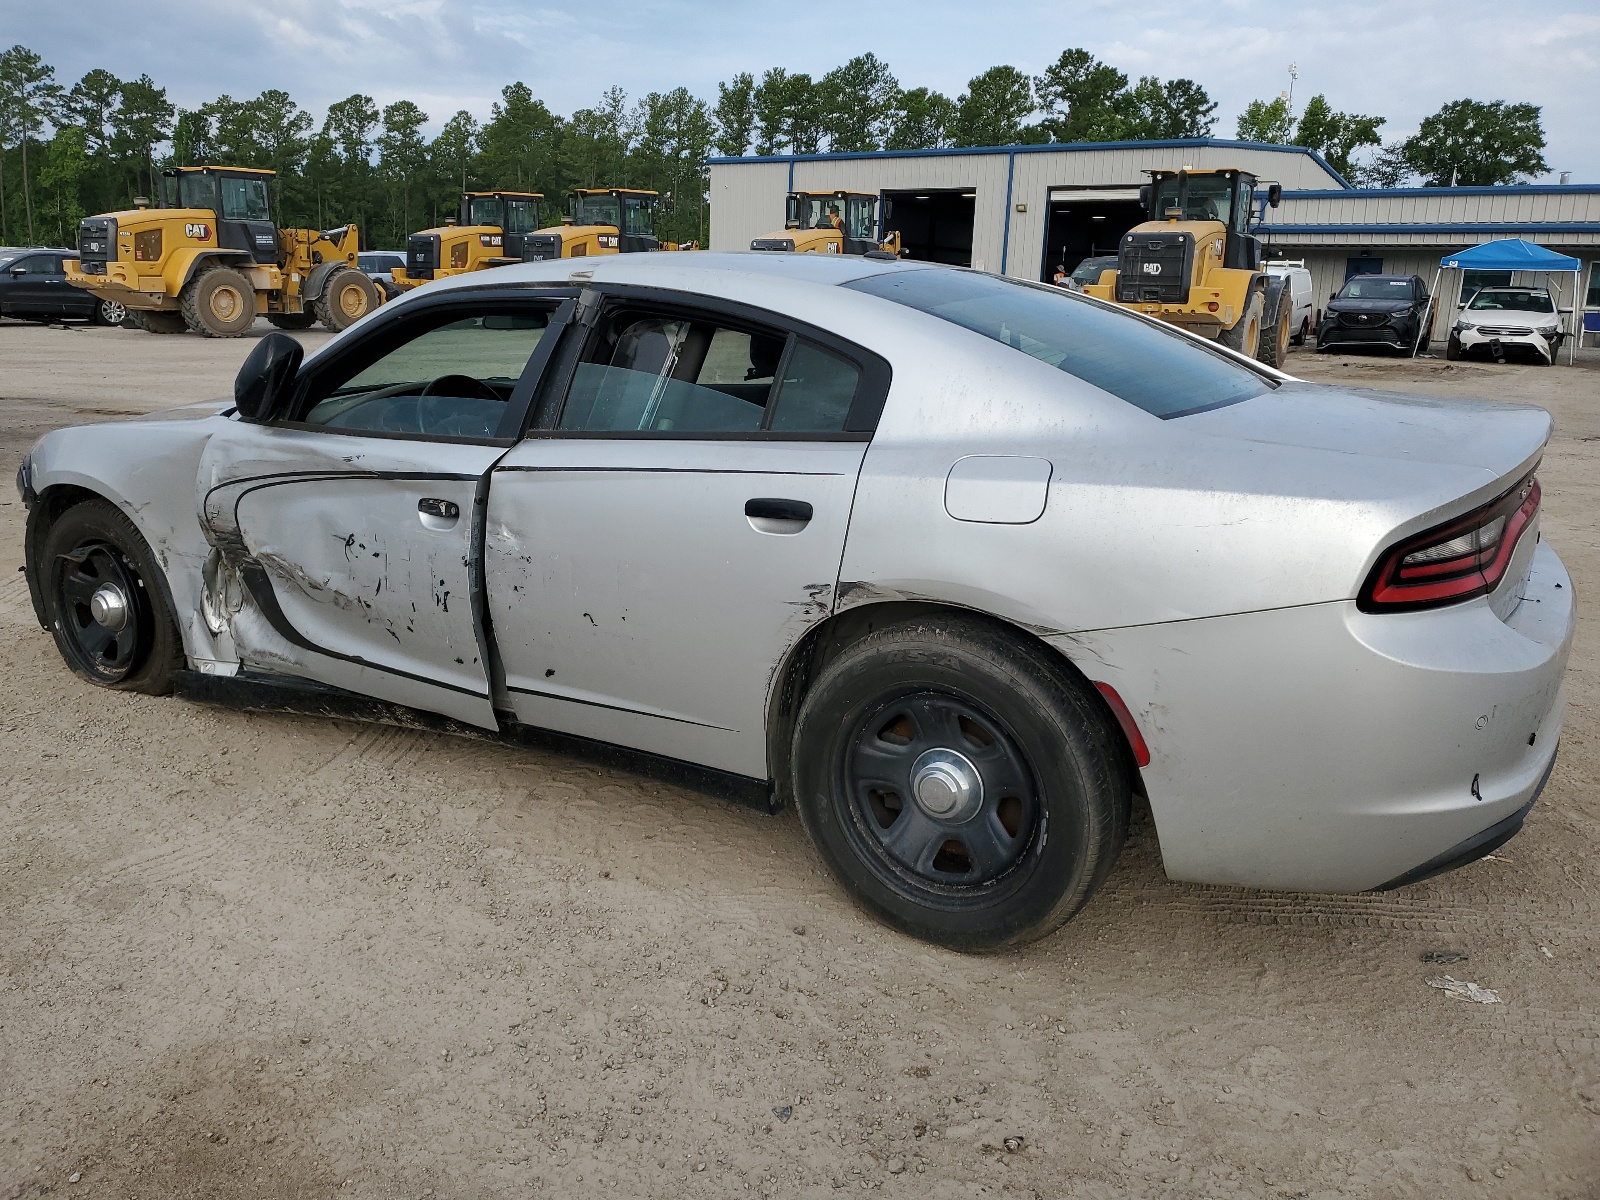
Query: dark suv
(1376, 310)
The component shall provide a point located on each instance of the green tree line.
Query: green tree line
(67, 150)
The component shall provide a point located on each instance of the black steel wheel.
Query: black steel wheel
(965, 784)
(105, 601)
(940, 791)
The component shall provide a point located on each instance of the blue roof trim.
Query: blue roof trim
(1041, 148)
(1510, 189)
(1462, 227)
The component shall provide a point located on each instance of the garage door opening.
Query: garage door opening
(1086, 224)
(935, 225)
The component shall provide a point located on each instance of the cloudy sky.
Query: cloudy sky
(1399, 60)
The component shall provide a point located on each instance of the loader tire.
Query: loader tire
(157, 322)
(1273, 348)
(219, 302)
(346, 298)
(302, 320)
(1246, 332)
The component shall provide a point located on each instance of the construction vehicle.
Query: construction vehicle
(1195, 263)
(602, 221)
(830, 223)
(209, 258)
(489, 232)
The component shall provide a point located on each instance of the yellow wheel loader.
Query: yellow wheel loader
(490, 232)
(209, 258)
(602, 221)
(830, 223)
(1195, 263)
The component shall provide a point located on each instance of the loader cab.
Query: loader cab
(857, 214)
(1227, 197)
(631, 212)
(511, 212)
(515, 214)
(240, 199)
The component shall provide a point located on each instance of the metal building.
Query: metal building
(1023, 210)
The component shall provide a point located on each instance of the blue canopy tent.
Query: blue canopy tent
(1512, 254)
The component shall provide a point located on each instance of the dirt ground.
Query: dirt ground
(269, 955)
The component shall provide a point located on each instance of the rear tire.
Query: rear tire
(1245, 335)
(93, 551)
(292, 320)
(1304, 335)
(1039, 807)
(347, 296)
(219, 302)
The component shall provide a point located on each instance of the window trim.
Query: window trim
(861, 422)
(386, 336)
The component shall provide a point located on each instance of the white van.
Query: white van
(1304, 317)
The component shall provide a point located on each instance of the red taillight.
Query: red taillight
(1456, 561)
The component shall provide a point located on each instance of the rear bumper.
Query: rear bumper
(1324, 749)
(1470, 850)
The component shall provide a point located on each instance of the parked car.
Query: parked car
(955, 575)
(1089, 270)
(1377, 310)
(379, 266)
(33, 285)
(1498, 319)
(1302, 297)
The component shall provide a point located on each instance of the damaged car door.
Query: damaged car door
(345, 531)
(675, 522)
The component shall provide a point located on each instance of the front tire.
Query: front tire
(1452, 348)
(962, 784)
(105, 601)
(1245, 335)
(219, 302)
(346, 298)
(292, 320)
(1273, 348)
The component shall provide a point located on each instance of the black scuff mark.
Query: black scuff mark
(348, 540)
(592, 621)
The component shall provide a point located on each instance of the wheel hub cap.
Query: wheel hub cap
(946, 785)
(109, 607)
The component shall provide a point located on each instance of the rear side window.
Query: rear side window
(684, 374)
(1160, 371)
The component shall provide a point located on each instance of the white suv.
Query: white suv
(1501, 317)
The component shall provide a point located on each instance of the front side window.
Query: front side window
(859, 218)
(244, 199)
(449, 380)
(1360, 288)
(652, 373)
(1158, 370)
(638, 215)
(34, 264)
(522, 216)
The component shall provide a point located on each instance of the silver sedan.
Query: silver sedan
(955, 565)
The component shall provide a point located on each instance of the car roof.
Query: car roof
(659, 268)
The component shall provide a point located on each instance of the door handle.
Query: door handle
(437, 514)
(770, 508)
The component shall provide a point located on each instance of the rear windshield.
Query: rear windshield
(1160, 371)
(1376, 289)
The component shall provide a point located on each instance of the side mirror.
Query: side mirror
(1332, 296)
(1274, 194)
(1563, 310)
(19, 270)
(1144, 197)
(263, 383)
